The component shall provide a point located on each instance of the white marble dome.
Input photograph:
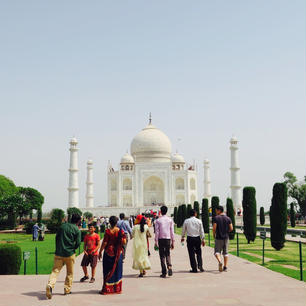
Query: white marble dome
(127, 159)
(178, 158)
(151, 145)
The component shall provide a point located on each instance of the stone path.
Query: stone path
(244, 284)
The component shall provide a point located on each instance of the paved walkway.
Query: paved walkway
(244, 284)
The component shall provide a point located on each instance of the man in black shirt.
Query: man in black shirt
(221, 227)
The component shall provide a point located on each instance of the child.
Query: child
(91, 247)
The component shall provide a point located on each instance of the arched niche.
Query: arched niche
(179, 183)
(153, 191)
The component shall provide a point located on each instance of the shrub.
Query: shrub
(39, 215)
(205, 215)
(179, 217)
(83, 234)
(73, 211)
(28, 227)
(175, 215)
(262, 216)
(292, 215)
(184, 213)
(87, 215)
(278, 216)
(196, 207)
(231, 214)
(102, 228)
(10, 258)
(189, 208)
(249, 213)
(56, 220)
(214, 203)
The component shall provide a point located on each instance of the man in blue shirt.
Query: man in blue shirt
(124, 225)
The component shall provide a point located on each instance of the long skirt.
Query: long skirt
(114, 284)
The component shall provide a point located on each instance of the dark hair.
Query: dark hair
(192, 212)
(142, 224)
(164, 209)
(92, 224)
(75, 219)
(220, 208)
(121, 216)
(113, 221)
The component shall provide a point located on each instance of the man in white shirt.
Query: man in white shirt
(193, 227)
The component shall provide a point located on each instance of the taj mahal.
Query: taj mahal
(148, 177)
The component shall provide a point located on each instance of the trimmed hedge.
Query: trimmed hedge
(278, 216)
(10, 258)
(189, 208)
(231, 214)
(262, 216)
(214, 204)
(179, 217)
(196, 207)
(249, 213)
(184, 213)
(292, 215)
(205, 215)
(28, 227)
(175, 215)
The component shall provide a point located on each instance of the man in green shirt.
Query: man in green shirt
(68, 239)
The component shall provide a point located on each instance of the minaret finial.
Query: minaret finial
(150, 118)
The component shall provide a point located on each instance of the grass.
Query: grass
(45, 251)
(278, 260)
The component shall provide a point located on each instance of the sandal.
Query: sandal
(84, 278)
(92, 280)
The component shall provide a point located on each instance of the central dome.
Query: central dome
(151, 145)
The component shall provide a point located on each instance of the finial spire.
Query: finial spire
(150, 118)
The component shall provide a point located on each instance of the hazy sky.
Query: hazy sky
(205, 69)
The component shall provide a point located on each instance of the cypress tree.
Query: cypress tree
(189, 207)
(249, 213)
(184, 213)
(205, 215)
(262, 216)
(292, 215)
(231, 214)
(196, 207)
(175, 215)
(179, 216)
(214, 204)
(278, 216)
(39, 215)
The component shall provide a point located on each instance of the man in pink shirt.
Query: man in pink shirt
(164, 240)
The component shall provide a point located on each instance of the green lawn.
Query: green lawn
(45, 251)
(285, 261)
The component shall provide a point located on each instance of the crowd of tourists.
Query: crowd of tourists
(112, 250)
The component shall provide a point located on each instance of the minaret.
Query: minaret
(89, 183)
(235, 175)
(73, 189)
(207, 181)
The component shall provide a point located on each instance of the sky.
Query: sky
(206, 70)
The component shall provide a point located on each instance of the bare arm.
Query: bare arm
(230, 227)
(214, 229)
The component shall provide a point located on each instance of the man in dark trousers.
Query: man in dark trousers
(221, 227)
(68, 239)
(193, 227)
(164, 240)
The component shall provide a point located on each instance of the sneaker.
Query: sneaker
(170, 272)
(84, 278)
(163, 276)
(48, 292)
(225, 269)
(92, 280)
(220, 267)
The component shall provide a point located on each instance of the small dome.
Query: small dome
(151, 145)
(89, 162)
(206, 161)
(234, 140)
(73, 141)
(178, 158)
(127, 159)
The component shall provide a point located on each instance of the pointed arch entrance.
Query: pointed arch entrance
(153, 191)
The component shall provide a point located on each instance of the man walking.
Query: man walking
(68, 239)
(193, 227)
(124, 225)
(164, 240)
(221, 227)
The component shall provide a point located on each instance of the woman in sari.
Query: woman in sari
(113, 241)
(140, 246)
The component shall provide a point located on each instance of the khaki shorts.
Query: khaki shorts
(221, 245)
